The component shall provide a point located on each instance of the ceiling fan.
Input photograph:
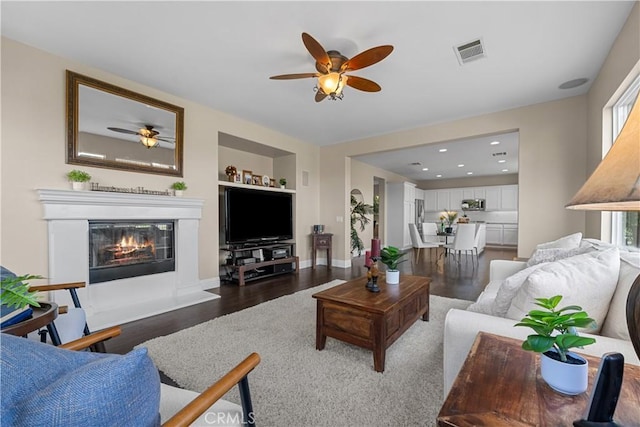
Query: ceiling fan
(332, 67)
(148, 136)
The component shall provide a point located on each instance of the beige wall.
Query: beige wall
(620, 67)
(32, 156)
(551, 161)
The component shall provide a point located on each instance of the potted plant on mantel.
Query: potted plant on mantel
(78, 178)
(390, 256)
(564, 371)
(178, 188)
(283, 182)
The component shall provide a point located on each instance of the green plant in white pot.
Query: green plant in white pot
(391, 257)
(78, 178)
(178, 188)
(563, 370)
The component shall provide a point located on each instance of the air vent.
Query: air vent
(470, 51)
(501, 153)
(415, 164)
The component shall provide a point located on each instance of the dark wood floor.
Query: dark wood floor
(463, 280)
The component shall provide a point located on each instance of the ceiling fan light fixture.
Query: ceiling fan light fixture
(149, 142)
(332, 84)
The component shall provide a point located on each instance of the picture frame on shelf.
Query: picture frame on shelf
(237, 178)
(265, 180)
(247, 177)
(256, 180)
(272, 182)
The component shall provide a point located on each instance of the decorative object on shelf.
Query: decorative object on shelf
(247, 177)
(237, 178)
(78, 178)
(283, 182)
(390, 256)
(265, 180)
(375, 247)
(256, 179)
(178, 188)
(449, 217)
(272, 182)
(318, 229)
(372, 275)
(95, 186)
(359, 212)
(231, 172)
(564, 371)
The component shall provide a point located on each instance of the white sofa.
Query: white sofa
(462, 326)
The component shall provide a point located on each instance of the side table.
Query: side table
(500, 385)
(42, 316)
(320, 241)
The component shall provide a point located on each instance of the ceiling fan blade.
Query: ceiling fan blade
(367, 58)
(320, 95)
(165, 140)
(317, 51)
(294, 76)
(132, 132)
(363, 84)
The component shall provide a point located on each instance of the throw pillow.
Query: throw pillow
(588, 280)
(615, 325)
(508, 290)
(567, 242)
(556, 254)
(46, 385)
(482, 305)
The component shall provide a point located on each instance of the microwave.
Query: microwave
(473, 205)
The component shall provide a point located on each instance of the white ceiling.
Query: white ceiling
(221, 54)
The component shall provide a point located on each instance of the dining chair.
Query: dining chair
(464, 240)
(480, 239)
(417, 242)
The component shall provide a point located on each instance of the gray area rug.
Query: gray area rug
(297, 385)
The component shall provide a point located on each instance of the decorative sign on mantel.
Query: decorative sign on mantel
(95, 186)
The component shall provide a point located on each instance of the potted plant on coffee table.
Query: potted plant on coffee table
(563, 370)
(391, 257)
(78, 178)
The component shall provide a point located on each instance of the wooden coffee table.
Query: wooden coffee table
(500, 385)
(350, 313)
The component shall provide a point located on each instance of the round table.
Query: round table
(43, 316)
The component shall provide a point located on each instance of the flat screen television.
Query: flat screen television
(257, 215)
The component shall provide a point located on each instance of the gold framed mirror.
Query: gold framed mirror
(115, 128)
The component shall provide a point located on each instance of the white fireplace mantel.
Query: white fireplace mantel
(118, 301)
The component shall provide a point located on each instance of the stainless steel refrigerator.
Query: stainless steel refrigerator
(419, 215)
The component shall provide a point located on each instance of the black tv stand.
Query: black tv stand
(278, 258)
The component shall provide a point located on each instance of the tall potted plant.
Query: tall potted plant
(359, 212)
(391, 257)
(563, 370)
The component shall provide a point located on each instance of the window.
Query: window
(625, 226)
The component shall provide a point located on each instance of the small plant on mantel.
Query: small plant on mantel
(179, 185)
(78, 176)
(283, 182)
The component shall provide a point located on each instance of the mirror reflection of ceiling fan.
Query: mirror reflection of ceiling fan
(148, 136)
(332, 67)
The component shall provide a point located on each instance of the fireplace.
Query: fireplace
(121, 249)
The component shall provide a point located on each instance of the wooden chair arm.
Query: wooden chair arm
(56, 287)
(94, 338)
(197, 406)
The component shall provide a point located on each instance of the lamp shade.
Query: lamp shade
(149, 142)
(615, 184)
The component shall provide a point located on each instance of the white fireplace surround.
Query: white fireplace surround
(119, 301)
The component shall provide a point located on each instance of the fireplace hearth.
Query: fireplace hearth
(122, 249)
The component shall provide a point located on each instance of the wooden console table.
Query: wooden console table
(350, 313)
(320, 241)
(500, 385)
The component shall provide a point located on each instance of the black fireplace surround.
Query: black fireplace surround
(123, 249)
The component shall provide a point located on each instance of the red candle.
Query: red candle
(375, 248)
(367, 259)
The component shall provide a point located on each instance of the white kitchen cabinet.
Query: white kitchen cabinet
(430, 201)
(455, 199)
(443, 199)
(479, 193)
(419, 194)
(510, 234)
(409, 192)
(400, 213)
(509, 198)
(494, 234)
(468, 193)
(492, 197)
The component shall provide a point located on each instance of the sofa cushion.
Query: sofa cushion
(45, 385)
(509, 288)
(587, 280)
(615, 325)
(556, 254)
(567, 242)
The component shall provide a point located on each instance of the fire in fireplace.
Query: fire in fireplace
(121, 249)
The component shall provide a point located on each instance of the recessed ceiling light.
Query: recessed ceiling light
(438, 176)
(502, 161)
(442, 150)
(469, 173)
(505, 170)
(425, 169)
(495, 143)
(460, 165)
